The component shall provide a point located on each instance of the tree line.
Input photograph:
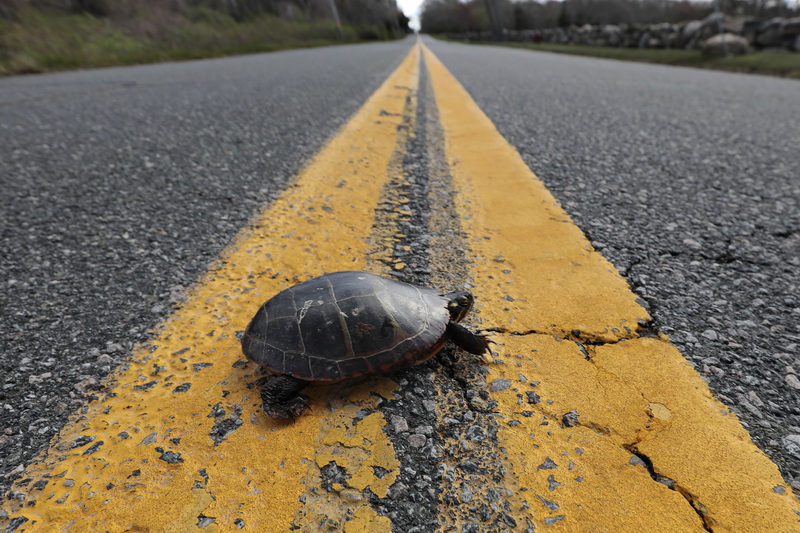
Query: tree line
(382, 13)
(456, 16)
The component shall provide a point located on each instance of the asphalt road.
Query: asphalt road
(119, 187)
(689, 182)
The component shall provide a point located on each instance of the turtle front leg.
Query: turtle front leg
(282, 399)
(467, 340)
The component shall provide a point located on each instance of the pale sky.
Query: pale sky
(411, 9)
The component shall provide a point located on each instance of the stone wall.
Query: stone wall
(778, 33)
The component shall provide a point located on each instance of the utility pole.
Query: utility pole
(718, 15)
(336, 19)
(494, 20)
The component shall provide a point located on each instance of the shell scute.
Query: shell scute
(355, 286)
(297, 363)
(282, 333)
(321, 330)
(325, 369)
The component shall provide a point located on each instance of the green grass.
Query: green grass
(776, 63)
(39, 40)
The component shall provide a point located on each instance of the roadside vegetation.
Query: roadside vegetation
(673, 32)
(460, 16)
(785, 64)
(44, 35)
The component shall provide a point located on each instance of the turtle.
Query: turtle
(345, 325)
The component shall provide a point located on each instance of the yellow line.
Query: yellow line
(144, 458)
(357, 444)
(520, 228)
(537, 274)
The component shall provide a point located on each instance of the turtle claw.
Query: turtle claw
(290, 408)
(298, 405)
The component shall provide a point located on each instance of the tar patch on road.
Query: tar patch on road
(477, 494)
(402, 241)
(441, 419)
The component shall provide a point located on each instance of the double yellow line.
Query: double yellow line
(600, 428)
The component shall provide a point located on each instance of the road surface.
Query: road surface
(125, 185)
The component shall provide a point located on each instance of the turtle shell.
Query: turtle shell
(347, 324)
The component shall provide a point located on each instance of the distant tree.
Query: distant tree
(403, 22)
(443, 16)
(97, 8)
(685, 10)
(8, 8)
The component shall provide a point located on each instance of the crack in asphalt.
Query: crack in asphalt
(583, 339)
(646, 461)
(692, 500)
(399, 243)
(646, 330)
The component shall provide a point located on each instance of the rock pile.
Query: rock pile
(724, 44)
(741, 35)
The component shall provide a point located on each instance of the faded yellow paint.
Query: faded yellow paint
(365, 520)
(535, 273)
(352, 446)
(584, 472)
(152, 464)
(698, 442)
(371, 450)
(356, 445)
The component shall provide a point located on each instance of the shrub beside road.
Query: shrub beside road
(34, 40)
(765, 62)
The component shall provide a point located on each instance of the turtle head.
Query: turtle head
(458, 304)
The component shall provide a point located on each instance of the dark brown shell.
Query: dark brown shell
(347, 324)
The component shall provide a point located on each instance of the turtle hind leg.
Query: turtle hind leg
(467, 340)
(282, 399)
